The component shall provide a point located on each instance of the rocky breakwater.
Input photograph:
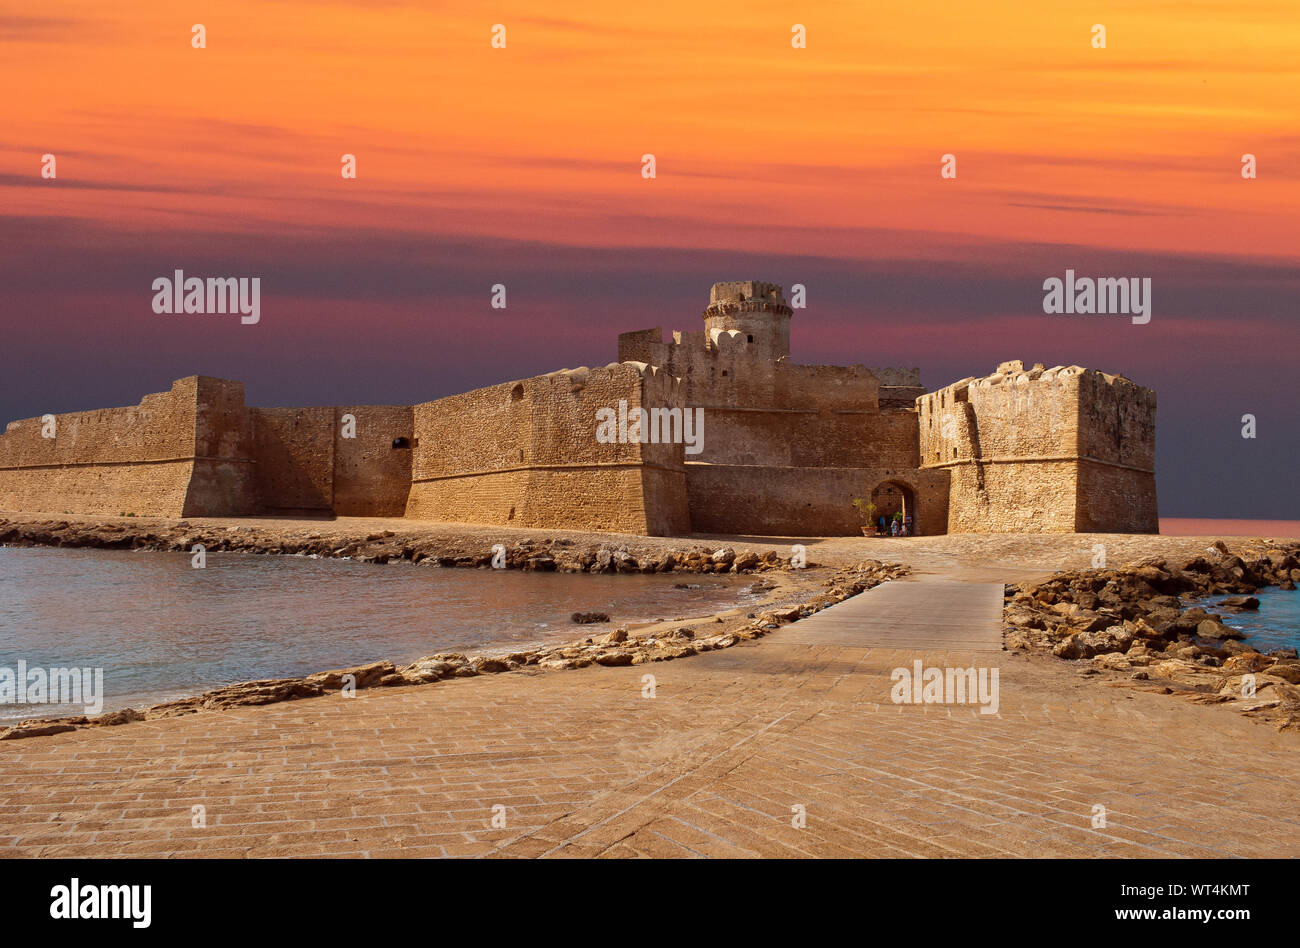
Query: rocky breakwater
(655, 643)
(1138, 626)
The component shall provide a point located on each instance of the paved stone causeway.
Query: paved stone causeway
(913, 614)
(721, 761)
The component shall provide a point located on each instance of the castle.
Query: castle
(782, 451)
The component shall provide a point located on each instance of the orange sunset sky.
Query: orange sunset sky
(522, 166)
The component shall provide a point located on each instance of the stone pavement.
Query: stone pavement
(721, 761)
(913, 613)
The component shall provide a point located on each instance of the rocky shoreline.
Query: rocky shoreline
(556, 554)
(654, 643)
(1138, 626)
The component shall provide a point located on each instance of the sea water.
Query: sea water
(161, 629)
(1275, 625)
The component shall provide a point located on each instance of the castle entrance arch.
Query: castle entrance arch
(895, 497)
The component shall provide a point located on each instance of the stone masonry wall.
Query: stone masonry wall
(371, 477)
(803, 501)
(1117, 437)
(197, 451)
(525, 453)
(223, 482)
(1117, 421)
(305, 465)
(294, 451)
(778, 413)
(1115, 500)
(1009, 441)
(137, 459)
(1016, 443)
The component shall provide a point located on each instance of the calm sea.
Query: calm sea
(160, 629)
(1275, 625)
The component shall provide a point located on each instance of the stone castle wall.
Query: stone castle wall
(1043, 451)
(138, 459)
(198, 451)
(371, 477)
(1117, 440)
(295, 453)
(803, 501)
(785, 444)
(526, 454)
(306, 466)
(223, 481)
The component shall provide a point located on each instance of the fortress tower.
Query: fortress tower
(787, 447)
(1058, 450)
(756, 311)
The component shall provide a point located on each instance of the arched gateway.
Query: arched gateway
(892, 497)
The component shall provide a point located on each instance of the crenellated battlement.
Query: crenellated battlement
(746, 291)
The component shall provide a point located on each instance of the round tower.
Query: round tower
(756, 311)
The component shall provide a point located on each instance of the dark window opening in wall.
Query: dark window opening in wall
(750, 338)
(401, 443)
(724, 371)
(954, 452)
(517, 392)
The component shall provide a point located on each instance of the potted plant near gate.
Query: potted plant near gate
(867, 511)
